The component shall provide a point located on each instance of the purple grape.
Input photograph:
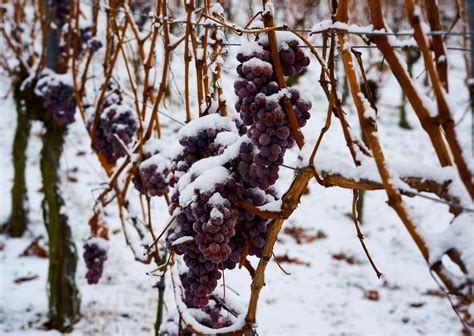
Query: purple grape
(58, 98)
(116, 121)
(94, 257)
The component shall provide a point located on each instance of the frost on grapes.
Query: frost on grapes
(95, 254)
(116, 126)
(154, 173)
(222, 162)
(58, 98)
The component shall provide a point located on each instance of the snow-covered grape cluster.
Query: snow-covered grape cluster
(85, 41)
(61, 9)
(154, 173)
(95, 254)
(210, 230)
(206, 217)
(260, 109)
(116, 124)
(58, 97)
(223, 162)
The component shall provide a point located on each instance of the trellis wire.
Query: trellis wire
(353, 46)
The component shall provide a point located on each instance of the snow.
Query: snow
(157, 160)
(256, 62)
(226, 138)
(204, 182)
(182, 240)
(326, 297)
(272, 206)
(369, 112)
(459, 235)
(328, 24)
(214, 121)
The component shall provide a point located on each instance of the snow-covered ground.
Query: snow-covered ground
(333, 291)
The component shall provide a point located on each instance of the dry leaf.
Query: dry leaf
(301, 236)
(35, 249)
(98, 226)
(350, 259)
(372, 295)
(285, 258)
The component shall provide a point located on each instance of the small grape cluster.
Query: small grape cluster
(61, 9)
(85, 41)
(154, 173)
(94, 256)
(214, 318)
(260, 109)
(116, 124)
(58, 98)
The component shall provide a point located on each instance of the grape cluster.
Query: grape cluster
(58, 98)
(153, 173)
(201, 142)
(210, 230)
(61, 9)
(210, 220)
(94, 257)
(215, 219)
(214, 318)
(115, 121)
(201, 277)
(208, 216)
(259, 107)
(85, 41)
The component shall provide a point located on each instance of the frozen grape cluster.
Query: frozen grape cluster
(260, 109)
(58, 97)
(154, 173)
(210, 231)
(223, 162)
(61, 10)
(85, 40)
(95, 254)
(116, 126)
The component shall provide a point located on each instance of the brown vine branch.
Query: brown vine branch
(289, 203)
(444, 112)
(429, 124)
(360, 235)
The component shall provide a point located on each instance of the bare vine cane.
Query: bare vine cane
(429, 124)
(439, 49)
(289, 203)
(369, 125)
(444, 110)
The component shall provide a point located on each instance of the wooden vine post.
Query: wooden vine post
(63, 294)
(18, 221)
